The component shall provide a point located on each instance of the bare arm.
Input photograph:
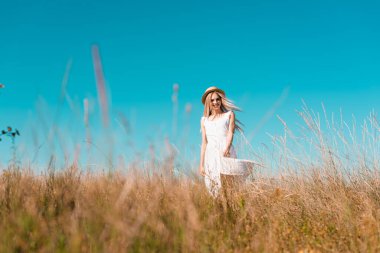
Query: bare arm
(230, 134)
(203, 149)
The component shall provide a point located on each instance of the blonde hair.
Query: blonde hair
(226, 105)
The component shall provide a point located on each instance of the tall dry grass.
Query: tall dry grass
(322, 201)
(69, 211)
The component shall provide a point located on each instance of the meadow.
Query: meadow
(324, 197)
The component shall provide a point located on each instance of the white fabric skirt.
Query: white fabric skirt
(216, 164)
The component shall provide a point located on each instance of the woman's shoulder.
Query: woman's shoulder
(229, 113)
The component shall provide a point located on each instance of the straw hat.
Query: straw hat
(209, 90)
(234, 166)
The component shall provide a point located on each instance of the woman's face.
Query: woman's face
(216, 101)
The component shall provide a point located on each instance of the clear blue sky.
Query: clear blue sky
(323, 51)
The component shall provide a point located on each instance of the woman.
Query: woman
(217, 125)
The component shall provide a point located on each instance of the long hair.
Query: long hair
(226, 105)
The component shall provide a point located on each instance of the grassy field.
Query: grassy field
(324, 197)
(70, 211)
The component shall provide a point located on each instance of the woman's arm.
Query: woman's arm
(203, 149)
(230, 134)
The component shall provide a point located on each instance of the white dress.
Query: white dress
(214, 162)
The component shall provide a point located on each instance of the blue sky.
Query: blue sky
(322, 51)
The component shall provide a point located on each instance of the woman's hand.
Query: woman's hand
(202, 171)
(226, 152)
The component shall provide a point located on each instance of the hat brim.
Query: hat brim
(208, 91)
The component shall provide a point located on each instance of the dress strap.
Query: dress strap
(202, 121)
